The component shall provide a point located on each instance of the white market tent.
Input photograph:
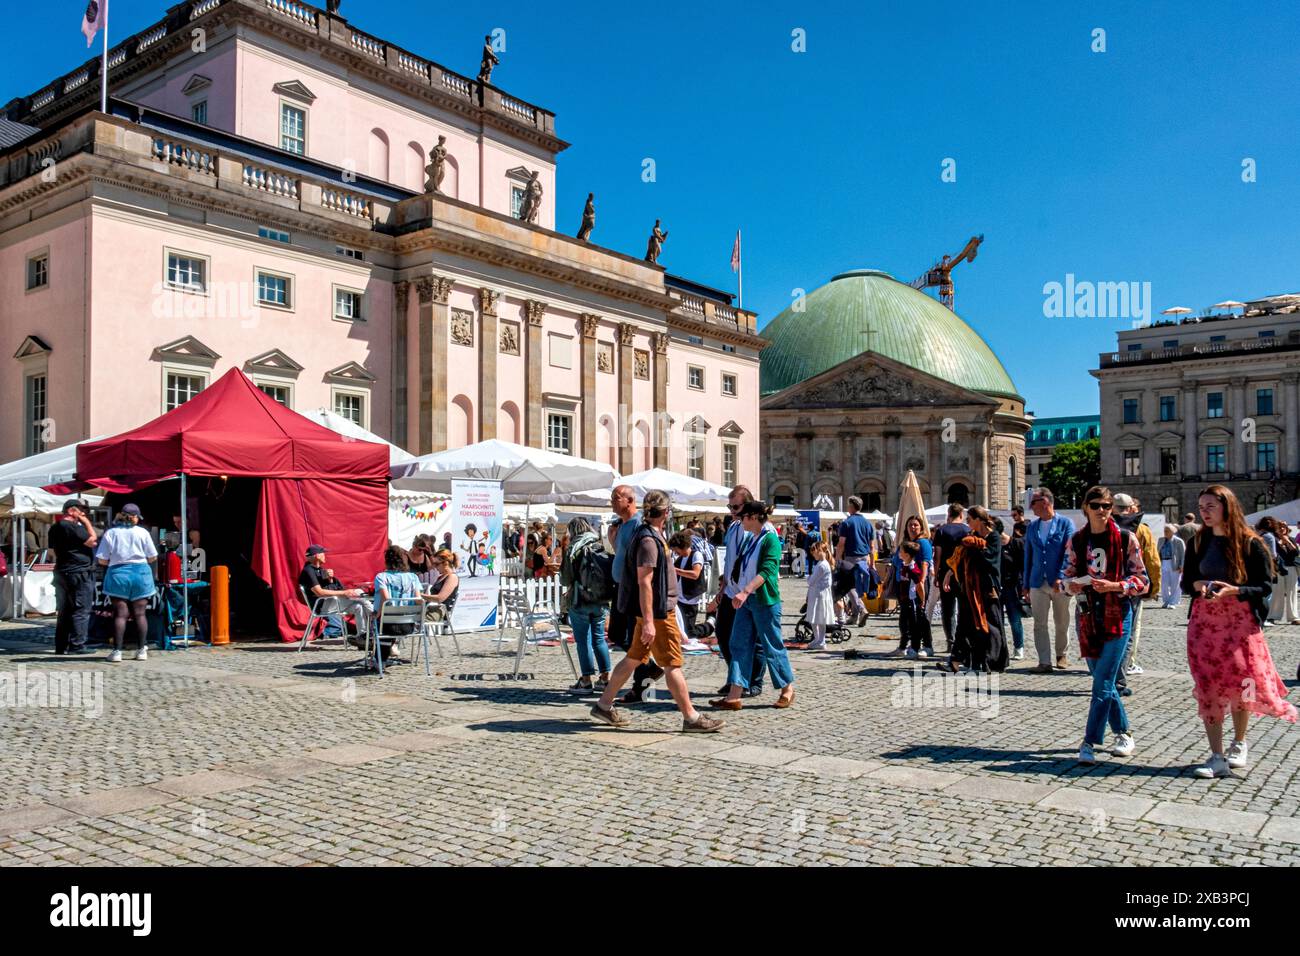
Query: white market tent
(681, 489)
(1288, 511)
(53, 467)
(22, 588)
(21, 501)
(527, 474)
(350, 429)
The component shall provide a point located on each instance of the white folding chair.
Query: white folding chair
(542, 625)
(393, 612)
(324, 607)
(434, 626)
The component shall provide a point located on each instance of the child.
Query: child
(821, 605)
(470, 547)
(912, 620)
(689, 562)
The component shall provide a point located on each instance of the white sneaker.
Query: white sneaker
(923, 653)
(1018, 654)
(1268, 623)
(114, 656)
(142, 654)
(1086, 756)
(1134, 669)
(909, 653)
(1216, 766)
(1123, 746)
(1237, 755)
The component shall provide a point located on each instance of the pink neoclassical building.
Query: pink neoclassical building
(256, 197)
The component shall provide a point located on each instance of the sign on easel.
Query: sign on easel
(476, 510)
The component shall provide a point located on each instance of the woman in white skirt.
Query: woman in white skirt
(821, 604)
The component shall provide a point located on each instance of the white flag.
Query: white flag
(93, 21)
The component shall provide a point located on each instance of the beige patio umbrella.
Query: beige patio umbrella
(910, 504)
(1229, 304)
(1177, 310)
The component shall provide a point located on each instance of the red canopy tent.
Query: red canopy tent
(318, 487)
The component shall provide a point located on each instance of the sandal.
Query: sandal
(783, 702)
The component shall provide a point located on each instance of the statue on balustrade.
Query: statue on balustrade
(588, 219)
(489, 61)
(437, 167)
(655, 244)
(532, 203)
(332, 6)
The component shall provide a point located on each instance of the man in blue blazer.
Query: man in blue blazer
(1047, 545)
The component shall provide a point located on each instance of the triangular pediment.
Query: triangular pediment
(273, 362)
(352, 372)
(32, 346)
(731, 430)
(188, 349)
(295, 89)
(697, 425)
(195, 83)
(870, 380)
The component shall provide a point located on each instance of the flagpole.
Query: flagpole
(103, 69)
(740, 272)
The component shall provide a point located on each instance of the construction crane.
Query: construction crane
(940, 274)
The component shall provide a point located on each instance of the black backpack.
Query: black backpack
(593, 575)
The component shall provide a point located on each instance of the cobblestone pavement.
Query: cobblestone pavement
(257, 753)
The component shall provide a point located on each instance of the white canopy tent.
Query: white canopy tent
(350, 429)
(681, 489)
(56, 466)
(526, 474)
(23, 588)
(1288, 511)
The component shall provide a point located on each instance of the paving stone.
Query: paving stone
(1086, 801)
(122, 800)
(1000, 788)
(1207, 818)
(832, 766)
(695, 745)
(760, 756)
(1281, 830)
(917, 777)
(415, 740)
(33, 818)
(280, 768)
(351, 755)
(206, 782)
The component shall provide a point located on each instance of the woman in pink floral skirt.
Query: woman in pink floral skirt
(1228, 572)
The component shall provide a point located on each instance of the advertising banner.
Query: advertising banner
(476, 510)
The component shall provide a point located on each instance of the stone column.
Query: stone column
(432, 337)
(535, 430)
(401, 299)
(934, 466)
(804, 498)
(1236, 412)
(1191, 421)
(660, 427)
(487, 363)
(890, 472)
(848, 467)
(590, 323)
(981, 466)
(625, 426)
(1291, 424)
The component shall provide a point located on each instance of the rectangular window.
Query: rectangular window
(1166, 408)
(516, 200)
(351, 406)
(293, 129)
(350, 253)
(180, 389)
(1215, 460)
(1168, 461)
(694, 377)
(1073, 435)
(1135, 346)
(1169, 344)
(1132, 462)
(1214, 405)
(186, 272)
(36, 406)
(199, 112)
(695, 339)
(559, 429)
(695, 457)
(730, 457)
(347, 305)
(274, 290)
(1266, 333)
(1218, 338)
(38, 271)
(280, 393)
(728, 384)
(1265, 456)
(1130, 411)
(1263, 401)
(1058, 434)
(728, 348)
(279, 235)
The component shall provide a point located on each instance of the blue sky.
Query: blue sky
(1124, 165)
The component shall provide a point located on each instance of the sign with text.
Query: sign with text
(476, 510)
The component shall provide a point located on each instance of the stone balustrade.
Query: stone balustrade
(182, 154)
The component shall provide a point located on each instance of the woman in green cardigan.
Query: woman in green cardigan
(758, 610)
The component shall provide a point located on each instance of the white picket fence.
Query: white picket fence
(541, 592)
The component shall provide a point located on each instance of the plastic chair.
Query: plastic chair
(543, 625)
(432, 628)
(393, 612)
(323, 607)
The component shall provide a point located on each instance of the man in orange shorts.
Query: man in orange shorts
(648, 591)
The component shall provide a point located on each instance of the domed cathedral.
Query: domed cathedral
(868, 377)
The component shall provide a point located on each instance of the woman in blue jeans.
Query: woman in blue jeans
(758, 610)
(1104, 567)
(586, 616)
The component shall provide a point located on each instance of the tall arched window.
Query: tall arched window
(1169, 505)
(379, 154)
(959, 494)
(1011, 481)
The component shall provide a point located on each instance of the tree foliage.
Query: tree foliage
(1074, 468)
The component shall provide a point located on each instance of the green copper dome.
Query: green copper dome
(906, 325)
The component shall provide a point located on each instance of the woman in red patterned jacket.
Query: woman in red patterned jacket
(1104, 567)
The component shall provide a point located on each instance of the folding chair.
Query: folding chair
(393, 612)
(544, 625)
(432, 628)
(322, 608)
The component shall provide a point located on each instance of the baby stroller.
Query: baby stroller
(842, 583)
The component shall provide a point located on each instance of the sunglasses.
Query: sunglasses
(1100, 505)
(731, 507)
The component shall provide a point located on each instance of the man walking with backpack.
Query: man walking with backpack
(623, 501)
(648, 593)
(585, 575)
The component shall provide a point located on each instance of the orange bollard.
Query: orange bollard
(220, 605)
